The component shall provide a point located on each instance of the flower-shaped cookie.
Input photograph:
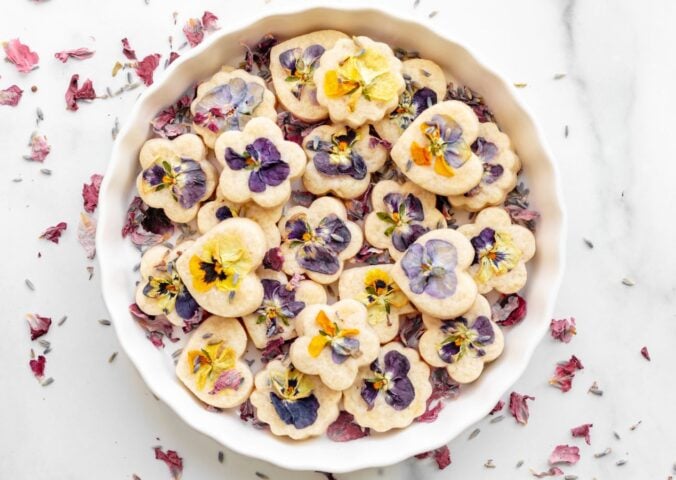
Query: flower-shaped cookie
(433, 273)
(425, 86)
(390, 392)
(161, 290)
(219, 269)
(500, 168)
(276, 315)
(210, 364)
(401, 214)
(435, 152)
(334, 341)
(341, 160)
(464, 344)
(373, 286)
(501, 251)
(214, 212)
(175, 176)
(293, 403)
(317, 240)
(292, 67)
(359, 81)
(227, 101)
(258, 164)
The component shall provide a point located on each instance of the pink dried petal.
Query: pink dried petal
(38, 366)
(39, 148)
(510, 310)
(86, 235)
(518, 407)
(434, 408)
(146, 67)
(645, 353)
(344, 429)
(565, 372)
(294, 281)
(172, 460)
(273, 259)
(563, 330)
(442, 456)
(90, 193)
(127, 51)
(231, 379)
(552, 472)
(38, 325)
(75, 93)
(498, 407)
(583, 431)
(78, 54)
(156, 327)
(21, 55)
(194, 31)
(565, 454)
(11, 96)
(53, 234)
(210, 21)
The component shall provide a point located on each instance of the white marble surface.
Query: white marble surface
(98, 420)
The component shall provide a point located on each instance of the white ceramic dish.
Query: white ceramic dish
(117, 256)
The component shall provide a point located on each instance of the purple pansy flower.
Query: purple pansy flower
(225, 212)
(228, 106)
(412, 102)
(171, 294)
(338, 156)
(404, 214)
(462, 339)
(185, 176)
(391, 380)
(293, 399)
(430, 268)
(300, 65)
(264, 161)
(279, 305)
(486, 151)
(320, 246)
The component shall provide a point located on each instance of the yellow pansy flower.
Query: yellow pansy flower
(209, 362)
(380, 293)
(496, 253)
(221, 264)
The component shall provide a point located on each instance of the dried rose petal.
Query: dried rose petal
(432, 411)
(39, 148)
(78, 54)
(565, 372)
(442, 456)
(565, 454)
(38, 366)
(510, 310)
(172, 460)
(411, 329)
(498, 407)
(344, 429)
(193, 31)
(53, 234)
(275, 348)
(156, 327)
(210, 21)
(563, 330)
(176, 119)
(38, 325)
(273, 259)
(294, 281)
(90, 193)
(518, 407)
(127, 51)
(11, 96)
(172, 56)
(552, 472)
(228, 379)
(86, 235)
(146, 67)
(75, 93)
(583, 431)
(645, 353)
(443, 388)
(146, 226)
(21, 55)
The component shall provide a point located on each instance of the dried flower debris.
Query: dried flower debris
(53, 234)
(75, 93)
(518, 407)
(582, 431)
(11, 96)
(77, 54)
(441, 455)
(565, 372)
(20, 55)
(563, 330)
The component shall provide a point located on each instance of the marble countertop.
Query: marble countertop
(98, 420)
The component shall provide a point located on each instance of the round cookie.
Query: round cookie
(175, 176)
(501, 251)
(292, 67)
(434, 151)
(390, 392)
(359, 81)
(341, 160)
(501, 166)
(210, 364)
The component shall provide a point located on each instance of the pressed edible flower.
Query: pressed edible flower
(299, 65)
(228, 106)
(278, 307)
(445, 146)
(170, 292)
(292, 398)
(338, 157)
(462, 339)
(341, 341)
(380, 294)
(404, 216)
(184, 176)
(210, 362)
(53, 234)
(221, 264)
(412, 102)
(431, 268)
(20, 55)
(496, 254)
(391, 380)
(90, 193)
(264, 162)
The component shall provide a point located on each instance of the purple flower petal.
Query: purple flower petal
(335, 234)
(411, 263)
(256, 182)
(483, 242)
(318, 259)
(396, 364)
(191, 183)
(485, 330)
(400, 392)
(484, 149)
(441, 286)
(448, 351)
(288, 59)
(343, 347)
(369, 394)
(270, 288)
(264, 151)
(234, 160)
(300, 413)
(405, 235)
(154, 175)
(312, 54)
(186, 306)
(393, 201)
(492, 172)
(274, 174)
(224, 212)
(296, 227)
(354, 165)
(252, 98)
(422, 99)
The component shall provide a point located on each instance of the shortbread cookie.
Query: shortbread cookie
(258, 164)
(501, 166)
(401, 214)
(227, 101)
(435, 152)
(433, 273)
(373, 286)
(462, 345)
(425, 86)
(359, 81)
(292, 403)
(276, 315)
(292, 67)
(161, 290)
(341, 160)
(501, 251)
(219, 269)
(317, 240)
(210, 364)
(175, 176)
(214, 212)
(335, 341)
(390, 392)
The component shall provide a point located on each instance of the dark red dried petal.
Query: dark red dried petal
(344, 429)
(38, 325)
(146, 68)
(583, 431)
(127, 51)
(510, 310)
(442, 456)
(273, 259)
(172, 461)
(645, 353)
(53, 234)
(498, 407)
(90, 193)
(38, 366)
(565, 372)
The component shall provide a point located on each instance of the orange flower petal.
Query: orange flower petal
(325, 323)
(335, 87)
(443, 168)
(316, 345)
(420, 155)
(349, 332)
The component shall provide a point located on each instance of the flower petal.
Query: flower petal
(288, 59)
(300, 413)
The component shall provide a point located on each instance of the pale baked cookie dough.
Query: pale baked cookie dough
(390, 392)
(401, 213)
(501, 166)
(210, 364)
(175, 176)
(258, 164)
(318, 239)
(219, 269)
(425, 86)
(292, 403)
(335, 341)
(433, 273)
(359, 81)
(227, 101)
(341, 160)
(292, 66)
(374, 287)
(501, 251)
(435, 150)
(276, 315)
